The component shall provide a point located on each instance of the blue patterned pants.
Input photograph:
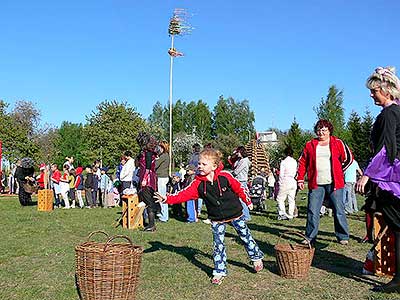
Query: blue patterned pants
(219, 255)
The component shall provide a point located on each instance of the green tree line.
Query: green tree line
(112, 127)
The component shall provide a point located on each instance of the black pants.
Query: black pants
(24, 197)
(146, 195)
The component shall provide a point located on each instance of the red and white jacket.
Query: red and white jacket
(341, 159)
(56, 176)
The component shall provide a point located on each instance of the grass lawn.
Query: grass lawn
(37, 257)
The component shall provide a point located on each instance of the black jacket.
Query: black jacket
(221, 196)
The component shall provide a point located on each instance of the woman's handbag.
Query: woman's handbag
(29, 187)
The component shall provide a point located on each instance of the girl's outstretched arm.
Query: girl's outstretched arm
(188, 193)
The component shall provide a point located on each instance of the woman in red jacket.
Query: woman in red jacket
(324, 159)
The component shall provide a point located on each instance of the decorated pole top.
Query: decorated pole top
(178, 24)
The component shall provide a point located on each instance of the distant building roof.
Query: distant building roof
(267, 137)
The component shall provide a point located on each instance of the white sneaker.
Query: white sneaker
(207, 221)
(258, 265)
(217, 279)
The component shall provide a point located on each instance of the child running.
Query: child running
(221, 193)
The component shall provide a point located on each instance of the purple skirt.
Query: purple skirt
(384, 195)
(384, 174)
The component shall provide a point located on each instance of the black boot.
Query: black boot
(152, 225)
(393, 286)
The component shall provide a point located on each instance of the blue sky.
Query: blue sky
(282, 56)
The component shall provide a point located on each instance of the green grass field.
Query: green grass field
(37, 257)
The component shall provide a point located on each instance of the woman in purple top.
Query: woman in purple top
(148, 177)
(383, 170)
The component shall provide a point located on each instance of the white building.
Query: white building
(267, 137)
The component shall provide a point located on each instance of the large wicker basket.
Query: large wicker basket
(293, 261)
(107, 271)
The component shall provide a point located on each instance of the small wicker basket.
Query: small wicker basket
(293, 261)
(107, 271)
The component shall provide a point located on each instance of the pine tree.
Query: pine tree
(366, 151)
(356, 138)
(295, 139)
(331, 109)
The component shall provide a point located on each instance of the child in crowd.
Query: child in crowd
(191, 205)
(110, 196)
(55, 182)
(89, 187)
(271, 184)
(2, 181)
(64, 186)
(104, 186)
(11, 180)
(221, 193)
(114, 194)
(95, 191)
(174, 186)
(40, 177)
(71, 193)
(79, 187)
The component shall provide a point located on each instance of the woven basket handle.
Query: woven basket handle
(115, 237)
(295, 233)
(96, 232)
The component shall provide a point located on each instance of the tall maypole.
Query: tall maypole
(178, 25)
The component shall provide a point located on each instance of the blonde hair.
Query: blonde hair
(212, 154)
(165, 146)
(385, 79)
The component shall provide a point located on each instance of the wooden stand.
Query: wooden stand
(45, 200)
(384, 258)
(132, 212)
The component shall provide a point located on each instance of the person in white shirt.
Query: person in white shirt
(287, 185)
(350, 179)
(271, 184)
(127, 171)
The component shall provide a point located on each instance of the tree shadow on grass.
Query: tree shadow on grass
(192, 255)
(322, 235)
(266, 247)
(356, 217)
(341, 265)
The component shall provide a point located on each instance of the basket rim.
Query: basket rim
(99, 247)
(287, 247)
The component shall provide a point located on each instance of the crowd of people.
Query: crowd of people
(333, 177)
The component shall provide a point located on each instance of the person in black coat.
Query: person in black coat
(24, 175)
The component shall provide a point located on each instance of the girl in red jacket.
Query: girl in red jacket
(221, 193)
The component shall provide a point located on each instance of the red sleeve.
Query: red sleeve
(301, 170)
(237, 188)
(188, 193)
(77, 181)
